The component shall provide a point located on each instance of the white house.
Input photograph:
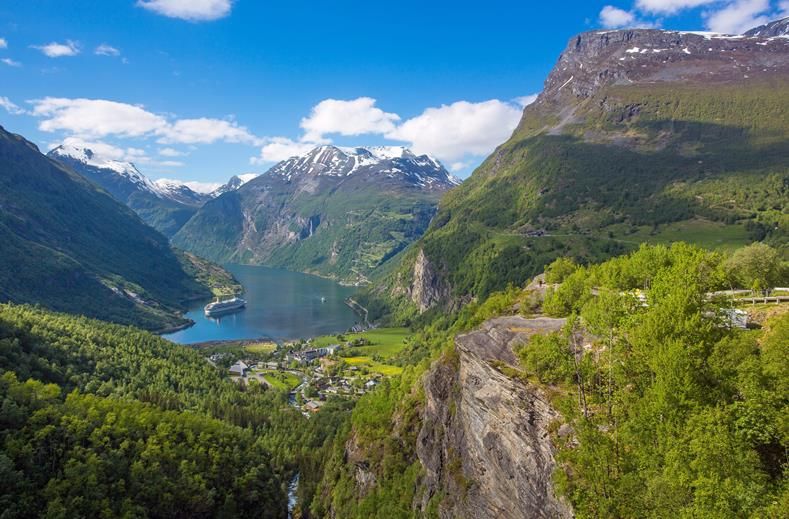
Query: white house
(239, 368)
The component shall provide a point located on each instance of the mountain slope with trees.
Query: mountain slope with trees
(638, 136)
(69, 246)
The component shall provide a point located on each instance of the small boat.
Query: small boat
(223, 307)
(323, 299)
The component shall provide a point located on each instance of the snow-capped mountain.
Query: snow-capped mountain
(235, 182)
(774, 29)
(391, 161)
(164, 205)
(86, 158)
(339, 212)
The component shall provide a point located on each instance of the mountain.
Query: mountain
(775, 29)
(338, 212)
(164, 205)
(234, 183)
(638, 136)
(69, 246)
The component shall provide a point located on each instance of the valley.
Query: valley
(592, 323)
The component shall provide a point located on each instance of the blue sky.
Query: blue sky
(203, 89)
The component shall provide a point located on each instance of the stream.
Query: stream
(293, 499)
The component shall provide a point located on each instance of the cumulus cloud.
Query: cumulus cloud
(205, 131)
(171, 152)
(613, 18)
(98, 118)
(739, 16)
(353, 117)
(670, 6)
(10, 62)
(58, 50)
(105, 150)
(453, 131)
(277, 149)
(3, 43)
(106, 50)
(525, 101)
(190, 10)
(10, 107)
(95, 117)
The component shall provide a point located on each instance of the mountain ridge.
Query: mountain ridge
(335, 212)
(637, 134)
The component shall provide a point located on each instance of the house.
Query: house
(239, 368)
(370, 384)
(312, 406)
(331, 349)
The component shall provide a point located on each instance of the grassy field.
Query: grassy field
(280, 379)
(385, 342)
(261, 347)
(708, 234)
(370, 364)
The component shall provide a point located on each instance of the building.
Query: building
(239, 368)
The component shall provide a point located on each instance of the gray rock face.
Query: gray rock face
(593, 60)
(427, 286)
(484, 442)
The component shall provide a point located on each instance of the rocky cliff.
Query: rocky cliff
(484, 442)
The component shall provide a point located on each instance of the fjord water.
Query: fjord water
(280, 305)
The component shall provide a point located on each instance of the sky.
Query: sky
(200, 90)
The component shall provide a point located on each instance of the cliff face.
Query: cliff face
(427, 287)
(484, 442)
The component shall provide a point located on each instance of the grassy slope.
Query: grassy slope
(706, 164)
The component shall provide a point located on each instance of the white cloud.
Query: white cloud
(613, 18)
(190, 10)
(458, 166)
(206, 131)
(739, 16)
(3, 43)
(59, 50)
(170, 152)
(451, 132)
(98, 118)
(277, 149)
(670, 6)
(525, 101)
(784, 7)
(95, 117)
(105, 150)
(354, 117)
(10, 107)
(10, 62)
(106, 50)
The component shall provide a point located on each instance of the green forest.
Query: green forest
(102, 420)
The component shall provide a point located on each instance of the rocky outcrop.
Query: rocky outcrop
(427, 287)
(484, 442)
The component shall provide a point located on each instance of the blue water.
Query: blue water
(280, 305)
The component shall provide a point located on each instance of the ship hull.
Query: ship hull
(224, 310)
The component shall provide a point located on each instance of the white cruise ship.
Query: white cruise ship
(226, 306)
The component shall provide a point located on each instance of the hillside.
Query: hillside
(70, 247)
(164, 206)
(635, 396)
(144, 427)
(340, 213)
(638, 136)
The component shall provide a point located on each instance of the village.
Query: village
(315, 370)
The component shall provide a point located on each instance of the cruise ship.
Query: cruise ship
(223, 307)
